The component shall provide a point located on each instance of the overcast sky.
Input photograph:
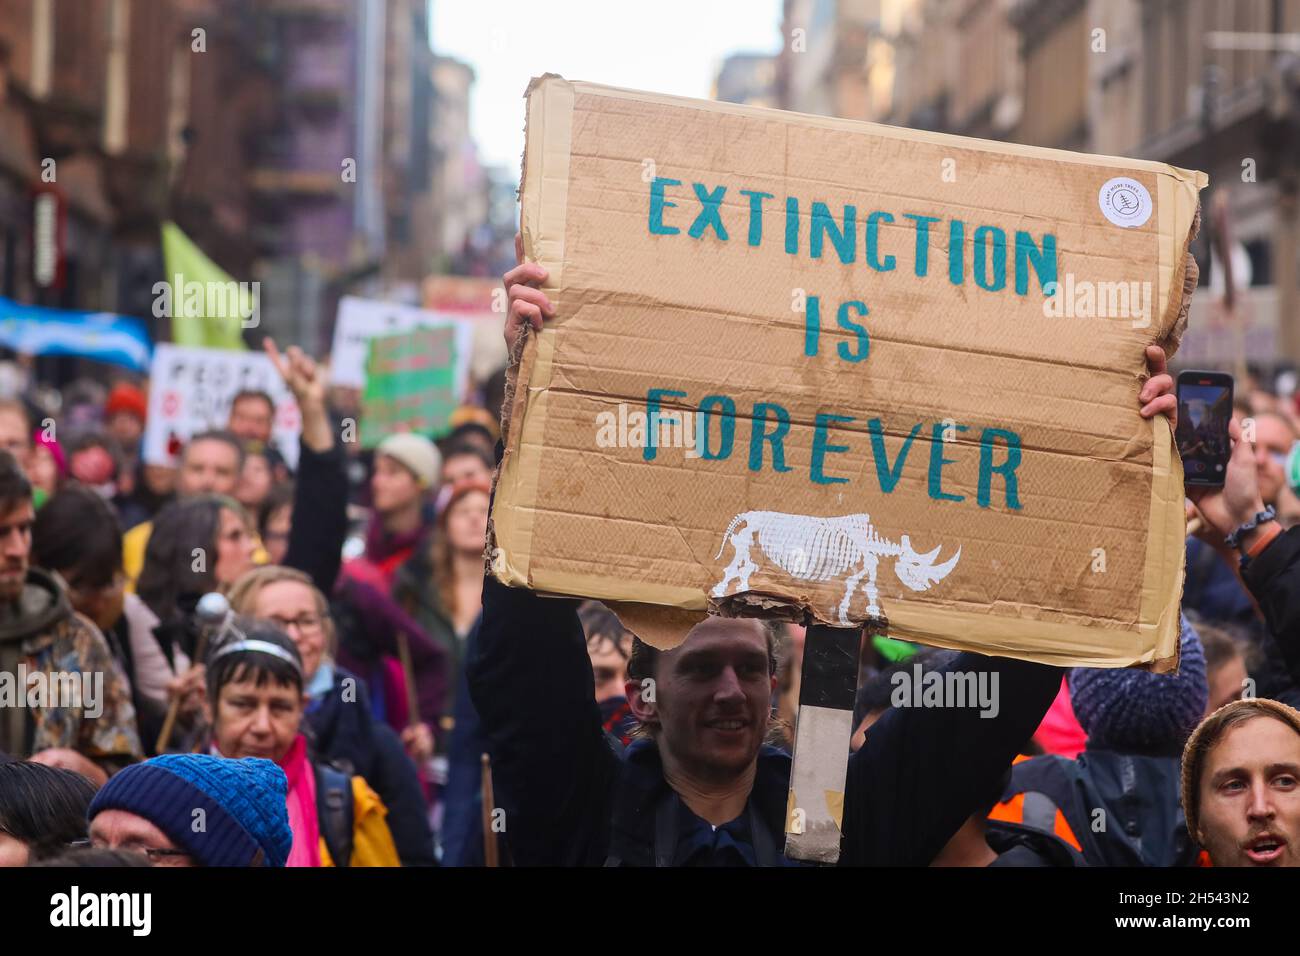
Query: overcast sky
(666, 46)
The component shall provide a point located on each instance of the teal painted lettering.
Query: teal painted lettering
(812, 324)
(776, 437)
(937, 461)
(956, 252)
(888, 476)
(860, 333)
(982, 235)
(792, 225)
(844, 240)
(658, 204)
(653, 402)
(1043, 260)
(710, 212)
(922, 240)
(728, 428)
(1007, 469)
(820, 449)
(873, 249)
(755, 214)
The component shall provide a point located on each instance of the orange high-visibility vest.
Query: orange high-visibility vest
(1043, 814)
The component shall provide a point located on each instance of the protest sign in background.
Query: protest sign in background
(410, 385)
(906, 359)
(481, 300)
(359, 320)
(190, 391)
(463, 295)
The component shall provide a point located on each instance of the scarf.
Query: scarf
(301, 804)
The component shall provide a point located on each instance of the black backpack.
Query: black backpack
(335, 810)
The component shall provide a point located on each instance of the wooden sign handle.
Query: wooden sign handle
(173, 709)
(824, 725)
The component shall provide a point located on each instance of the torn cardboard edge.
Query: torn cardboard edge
(667, 627)
(664, 625)
(1189, 275)
(549, 122)
(574, 87)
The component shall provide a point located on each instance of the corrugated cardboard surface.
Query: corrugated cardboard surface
(1097, 485)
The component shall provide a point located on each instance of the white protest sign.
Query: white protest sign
(191, 390)
(361, 319)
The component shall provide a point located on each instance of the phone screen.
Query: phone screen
(1204, 411)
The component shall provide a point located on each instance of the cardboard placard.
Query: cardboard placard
(847, 372)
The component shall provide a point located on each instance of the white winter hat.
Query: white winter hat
(414, 452)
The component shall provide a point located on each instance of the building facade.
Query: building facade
(1196, 83)
(316, 146)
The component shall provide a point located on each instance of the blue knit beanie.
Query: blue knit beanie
(1136, 711)
(243, 803)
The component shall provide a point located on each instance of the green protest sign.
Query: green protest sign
(410, 384)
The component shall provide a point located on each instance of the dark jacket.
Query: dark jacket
(1274, 579)
(1141, 820)
(416, 593)
(342, 729)
(1018, 845)
(572, 799)
(389, 551)
(386, 552)
(368, 623)
(462, 798)
(320, 516)
(1212, 590)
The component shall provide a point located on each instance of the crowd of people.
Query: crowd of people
(364, 684)
(315, 719)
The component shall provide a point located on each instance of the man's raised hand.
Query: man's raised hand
(299, 372)
(304, 378)
(528, 304)
(1158, 395)
(1238, 500)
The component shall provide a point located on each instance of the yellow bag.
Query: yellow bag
(372, 843)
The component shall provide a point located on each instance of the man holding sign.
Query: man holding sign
(823, 392)
(702, 788)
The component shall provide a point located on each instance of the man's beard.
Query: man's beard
(11, 587)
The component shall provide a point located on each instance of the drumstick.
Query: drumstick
(174, 707)
(408, 670)
(489, 838)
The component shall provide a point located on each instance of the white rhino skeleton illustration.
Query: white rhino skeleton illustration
(821, 549)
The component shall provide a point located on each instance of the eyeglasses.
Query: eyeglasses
(305, 623)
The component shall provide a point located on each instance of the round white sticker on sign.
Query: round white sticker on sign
(1125, 202)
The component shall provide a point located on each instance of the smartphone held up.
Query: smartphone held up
(1204, 411)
